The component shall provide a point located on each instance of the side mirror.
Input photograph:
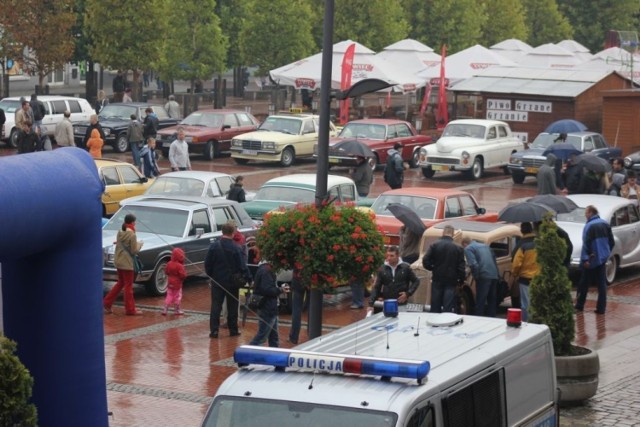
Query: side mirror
(226, 127)
(481, 211)
(199, 232)
(143, 179)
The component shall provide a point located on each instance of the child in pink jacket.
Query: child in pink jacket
(176, 274)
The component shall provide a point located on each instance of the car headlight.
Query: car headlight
(465, 155)
(628, 162)
(106, 131)
(515, 160)
(423, 152)
(189, 139)
(236, 143)
(268, 145)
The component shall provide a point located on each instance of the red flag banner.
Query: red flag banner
(425, 99)
(442, 117)
(345, 81)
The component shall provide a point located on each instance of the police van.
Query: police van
(416, 369)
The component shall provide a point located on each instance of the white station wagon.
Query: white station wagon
(470, 146)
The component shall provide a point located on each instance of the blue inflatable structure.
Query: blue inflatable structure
(51, 257)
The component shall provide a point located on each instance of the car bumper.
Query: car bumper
(268, 156)
(443, 167)
(533, 171)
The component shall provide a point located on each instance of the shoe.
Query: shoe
(213, 335)
(234, 333)
(179, 312)
(107, 310)
(356, 307)
(135, 313)
(598, 312)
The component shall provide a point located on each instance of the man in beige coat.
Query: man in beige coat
(64, 132)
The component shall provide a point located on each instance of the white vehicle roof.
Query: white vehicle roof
(453, 352)
(480, 122)
(42, 98)
(310, 179)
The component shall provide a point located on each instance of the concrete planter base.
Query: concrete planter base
(577, 377)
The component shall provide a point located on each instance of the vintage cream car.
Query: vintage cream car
(280, 138)
(500, 237)
(470, 146)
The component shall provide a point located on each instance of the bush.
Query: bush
(15, 389)
(328, 246)
(550, 291)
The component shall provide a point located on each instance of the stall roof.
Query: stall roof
(532, 81)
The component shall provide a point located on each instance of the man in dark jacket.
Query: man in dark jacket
(395, 279)
(93, 124)
(445, 260)
(484, 268)
(118, 86)
(236, 192)
(38, 111)
(224, 259)
(265, 285)
(597, 244)
(394, 170)
(150, 124)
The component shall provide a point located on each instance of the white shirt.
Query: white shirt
(179, 154)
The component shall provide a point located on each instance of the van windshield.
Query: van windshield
(227, 411)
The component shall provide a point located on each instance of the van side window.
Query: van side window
(58, 107)
(74, 107)
(423, 417)
(481, 403)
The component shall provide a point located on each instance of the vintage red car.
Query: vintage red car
(432, 206)
(380, 135)
(209, 131)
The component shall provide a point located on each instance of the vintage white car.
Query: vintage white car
(470, 146)
(280, 138)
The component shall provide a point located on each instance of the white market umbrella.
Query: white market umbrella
(410, 55)
(614, 59)
(549, 56)
(306, 73)
(512, 49)
(577, 49)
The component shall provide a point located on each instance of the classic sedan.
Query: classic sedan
(292, 189)
(209, 131)
(190, 183)
(632, 161)
(623, 216)
(115, 118)
(121, 181)
(190, 223)
(280, 138)
(431, 204)
(380, 135)
(527, 162)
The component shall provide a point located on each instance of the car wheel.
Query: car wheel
(505, 170)
(517, 178)
(611, 268)
(211, 150)
(288, 157)
(477, 169)
(374, 162)
(241, 161)
(122, 143)
(13, 139)
(428, 172)
(465, 301)
(413, 163)
(158, 283)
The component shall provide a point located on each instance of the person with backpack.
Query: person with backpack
(38, 111)
(394, 171)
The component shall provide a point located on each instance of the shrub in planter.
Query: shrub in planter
(15, 389)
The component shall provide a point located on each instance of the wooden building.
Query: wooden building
(621, 119)
(529, 99)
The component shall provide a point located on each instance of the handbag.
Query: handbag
(137, 265)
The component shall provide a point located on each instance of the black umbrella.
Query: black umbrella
(353, 147)
(593, 162)
(560, 204)
(524, 212)
(408, 217)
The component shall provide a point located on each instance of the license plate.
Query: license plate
(439, 168)
(250, 152)
(334, 160)
(531, 170)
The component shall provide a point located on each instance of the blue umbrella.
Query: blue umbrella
(562, 150)
(566, 126)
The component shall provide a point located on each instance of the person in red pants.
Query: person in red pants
(127, 246)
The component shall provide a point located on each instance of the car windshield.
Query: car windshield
(363, 130)
(238, 412)
(544, 140)
(576, 215)
(208, 119)
(423, 206)
(286, 125)
(286, 194)
(123, 112)
(150, 219)
(9, 106)
(469, 131)
(174, 185)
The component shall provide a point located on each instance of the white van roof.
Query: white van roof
(453, 352)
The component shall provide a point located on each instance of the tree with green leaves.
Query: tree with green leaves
(592, 19)
(277, 33)
(508, 21)
(127, 35)
(193, 46)
(16, 385)
(546, 23)
(41, 34)
(362, 20)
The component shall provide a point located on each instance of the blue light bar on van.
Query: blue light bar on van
(332, 363)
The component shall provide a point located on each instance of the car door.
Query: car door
(131, 180)
(114, 191)
(196, 247)
(308, 137)
(468, 205)
(452, 207)
(625, 225)
(229, 130)
(601, 148)
(587, 144)
(224, 185)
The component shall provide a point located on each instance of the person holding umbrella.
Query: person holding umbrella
(362, 175)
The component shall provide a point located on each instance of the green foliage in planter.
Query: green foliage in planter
(15, 389)
(550, 291)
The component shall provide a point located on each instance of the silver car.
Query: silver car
(190, 223)
(622, 214)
